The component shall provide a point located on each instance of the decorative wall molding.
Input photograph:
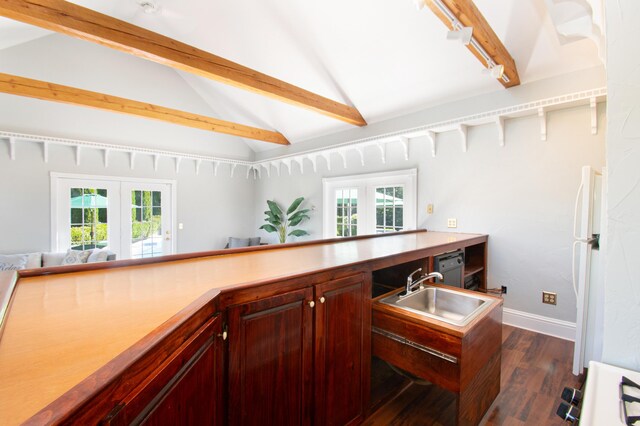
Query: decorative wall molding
(79, 145)
(497, 117)
(461, 124)
(540, 324)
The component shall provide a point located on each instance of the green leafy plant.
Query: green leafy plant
(280, 222)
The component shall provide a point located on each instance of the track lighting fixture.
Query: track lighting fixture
(420, 4)
(462, 34)
(149, 6)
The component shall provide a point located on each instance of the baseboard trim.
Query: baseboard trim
(550, 326)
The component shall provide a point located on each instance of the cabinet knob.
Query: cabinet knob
(312, 303)
(224, 335)
(322, 299)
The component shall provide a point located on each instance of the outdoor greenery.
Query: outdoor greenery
(344, 229)
(280, 222)
(88, 218)
(145, 214)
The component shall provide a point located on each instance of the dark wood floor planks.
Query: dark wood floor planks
(535, 368)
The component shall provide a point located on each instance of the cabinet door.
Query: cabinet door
(185, 389)
(343, 350)
(270, 360)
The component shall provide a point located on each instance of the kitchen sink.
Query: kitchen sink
(451, 306)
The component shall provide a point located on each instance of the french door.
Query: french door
(373, 203)
(133, 218)
(146, 220)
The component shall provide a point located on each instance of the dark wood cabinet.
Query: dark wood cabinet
(301, 357)
(185, 389)
(342, 350)
(270, 360)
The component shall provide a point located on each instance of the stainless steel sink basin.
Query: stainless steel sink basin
(446, 305)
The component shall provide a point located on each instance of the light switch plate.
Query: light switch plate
(452, 223)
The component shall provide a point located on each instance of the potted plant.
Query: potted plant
(281, 222)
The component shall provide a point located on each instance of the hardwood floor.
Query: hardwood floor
(535, 369)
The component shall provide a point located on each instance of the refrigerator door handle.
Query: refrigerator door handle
(575, 214)
(573, 267)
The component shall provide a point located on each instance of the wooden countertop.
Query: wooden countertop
(62, 328)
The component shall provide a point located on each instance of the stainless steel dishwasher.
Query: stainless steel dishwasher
(451, 266)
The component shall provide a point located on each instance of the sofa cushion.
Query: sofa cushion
(52, 259)
(13, 262)
(99, 255)
(74, 257)
(238, 242)
(35, 260)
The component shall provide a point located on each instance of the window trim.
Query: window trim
(366, 184)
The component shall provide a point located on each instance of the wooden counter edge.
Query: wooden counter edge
(111, 380)
(8, 282)
(195, 255)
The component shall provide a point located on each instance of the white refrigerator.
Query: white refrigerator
(587, 273)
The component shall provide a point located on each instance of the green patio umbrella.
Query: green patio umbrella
(89, 201)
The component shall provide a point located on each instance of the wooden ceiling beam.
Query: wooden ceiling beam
(70, 95)
(77, 21)
(468, 15)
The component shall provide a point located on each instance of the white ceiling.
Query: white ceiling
(384, 57)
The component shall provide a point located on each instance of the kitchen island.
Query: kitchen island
(130, 341)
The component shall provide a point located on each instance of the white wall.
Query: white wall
(622, 268)
(64, 60)
(211, 208)
(521, 194)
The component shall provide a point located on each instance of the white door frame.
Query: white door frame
(56, 179)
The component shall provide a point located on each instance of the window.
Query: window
(88, 218)
(369, 204)
(389, 209)
(146, 224)
(347, 213)
(132, 217)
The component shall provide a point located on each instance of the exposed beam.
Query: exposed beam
(77, 21)
(70, 95)
(468, 15)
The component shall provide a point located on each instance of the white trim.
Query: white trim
(540, 324)
(55, 179)
(430, 130)
(111, 178)
(520, 110)
(393, 173)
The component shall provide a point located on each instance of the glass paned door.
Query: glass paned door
(389, 209)
(147, 228)
(88, 213)
(346, 212)
(85, 215)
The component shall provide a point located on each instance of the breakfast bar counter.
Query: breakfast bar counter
(72, 332)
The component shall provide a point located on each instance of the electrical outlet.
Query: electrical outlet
(549, 298)
(429, 208)
(452, 223)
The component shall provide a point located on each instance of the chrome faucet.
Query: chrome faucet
(411, 284)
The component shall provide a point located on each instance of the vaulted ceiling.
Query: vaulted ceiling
(384, 57)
